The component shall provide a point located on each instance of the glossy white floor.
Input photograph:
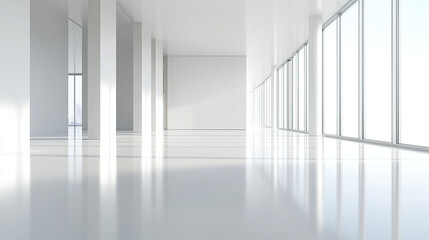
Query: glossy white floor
(213, 185)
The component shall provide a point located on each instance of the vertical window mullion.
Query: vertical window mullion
(395, 72)
(361, 134)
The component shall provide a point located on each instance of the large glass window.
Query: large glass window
(290, 94)
(269, 103)
(377, 70)
(281, 97)
(330, 79)
(302, 89)
(414, 84)
(295, 93)
(350, 72)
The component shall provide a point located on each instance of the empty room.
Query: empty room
(214, 119)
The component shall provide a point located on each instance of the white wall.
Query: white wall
(49, 63)
(206, 92)
(15, 76)
(124, 74)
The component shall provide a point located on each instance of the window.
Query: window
(281, 97)
(405, 49)
(295, 93)
(377, 70)
(330, 79)
(413, 78)
(290, 94)
(350, 72)
(302, 86)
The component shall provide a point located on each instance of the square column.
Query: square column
(101, 69)
(142, 83)
(15, 76)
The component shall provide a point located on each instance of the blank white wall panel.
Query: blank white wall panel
(206, 92)
(49, 61)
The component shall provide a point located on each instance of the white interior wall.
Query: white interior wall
(74, 48)
(49, 61)
(206, 92)
(124, 74)
(15, 76)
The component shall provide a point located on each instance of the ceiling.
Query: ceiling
(193, 27)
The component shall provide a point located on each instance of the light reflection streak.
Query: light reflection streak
(15, 172)
(108, 175)
(14, 128)
(75, 188)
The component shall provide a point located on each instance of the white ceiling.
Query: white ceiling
(193, 27)
(267, 32)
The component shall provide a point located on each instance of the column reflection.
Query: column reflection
(108, 177)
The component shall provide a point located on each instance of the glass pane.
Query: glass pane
(71, 100)
(330, 79)
(288, 98)
(377, 79)
(264, 108)
(78, 99)
(350, 72)
(302, 86)
(414, 84)
(295, 93)
(270, 103)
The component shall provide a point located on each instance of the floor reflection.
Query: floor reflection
(213, 185)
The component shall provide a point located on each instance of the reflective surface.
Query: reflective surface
(213, 185)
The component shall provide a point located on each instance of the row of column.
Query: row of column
(101, 72)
